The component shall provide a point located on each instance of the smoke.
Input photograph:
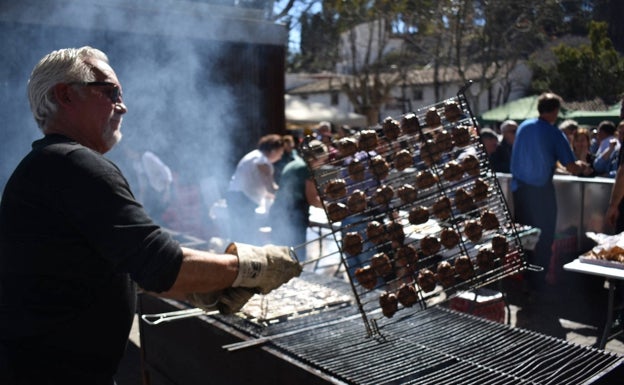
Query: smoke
(175, 108)
(169, 62)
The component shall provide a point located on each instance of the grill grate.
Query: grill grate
(440, 346)
(384, 246)
(437, 346)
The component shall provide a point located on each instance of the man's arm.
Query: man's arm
(603, 160)
(260, 268)
(576, 168)
(266, 175)
(312, 194)
(203, 272)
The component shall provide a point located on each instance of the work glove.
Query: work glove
(233, 299)
(205, 301)
(263, 268)
(228, 301)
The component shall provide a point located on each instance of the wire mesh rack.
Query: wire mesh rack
(417, 210)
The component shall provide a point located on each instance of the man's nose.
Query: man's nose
(121, 108)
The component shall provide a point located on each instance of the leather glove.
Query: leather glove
(263, 268)
(233, 299)
(205, 301)
(228, 301)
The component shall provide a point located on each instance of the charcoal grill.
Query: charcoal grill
(412, 346)
(424, 141)
(436, 346)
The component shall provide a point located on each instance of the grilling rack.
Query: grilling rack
(473, 196)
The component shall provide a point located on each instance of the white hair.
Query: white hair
(507, 124)
(62, 66)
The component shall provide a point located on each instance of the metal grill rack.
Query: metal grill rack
(374, 240)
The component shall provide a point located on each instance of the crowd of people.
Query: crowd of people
(531, 151)
(597, 147)
(537, 149)
(272, 187)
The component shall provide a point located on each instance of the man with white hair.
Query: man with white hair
(75, 243)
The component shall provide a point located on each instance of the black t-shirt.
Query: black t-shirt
(73, 242)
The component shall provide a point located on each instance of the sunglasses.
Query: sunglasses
(113, 92)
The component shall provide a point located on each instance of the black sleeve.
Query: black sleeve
(99, 201)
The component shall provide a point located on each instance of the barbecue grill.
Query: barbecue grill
(436, 346)
(419, 342)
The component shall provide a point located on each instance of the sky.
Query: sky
(294, 38)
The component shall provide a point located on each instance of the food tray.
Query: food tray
(592, 259)
(376, 231)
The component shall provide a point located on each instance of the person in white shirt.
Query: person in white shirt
(251, 186)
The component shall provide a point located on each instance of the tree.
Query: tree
(481, 40)
(485, 40)
(585, 72)
(611, 11)
(291, 13)
(319, 43)
(366, 44)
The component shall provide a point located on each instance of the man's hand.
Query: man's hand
(205, 301)
(263, 268)
(228, 301)
(233, 299)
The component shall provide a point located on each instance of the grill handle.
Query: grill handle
(158, 318)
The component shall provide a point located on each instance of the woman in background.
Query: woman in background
(290, 212)
(581, 140)
(251, 186)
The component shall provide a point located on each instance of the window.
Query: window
(335, 97)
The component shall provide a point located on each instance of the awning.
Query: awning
(593, 118)
(302, 113)
(526, 108)
(518, 110)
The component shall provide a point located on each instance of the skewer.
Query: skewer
(313, 260)
(331, 232)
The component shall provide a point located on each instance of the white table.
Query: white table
(609, 274)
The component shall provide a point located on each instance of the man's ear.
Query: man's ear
(62, 94)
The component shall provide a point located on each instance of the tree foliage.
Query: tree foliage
(585, 72)
(480, 40)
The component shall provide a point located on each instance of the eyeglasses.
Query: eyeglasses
(114, 93)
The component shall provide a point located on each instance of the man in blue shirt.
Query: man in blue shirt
(538, 146)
